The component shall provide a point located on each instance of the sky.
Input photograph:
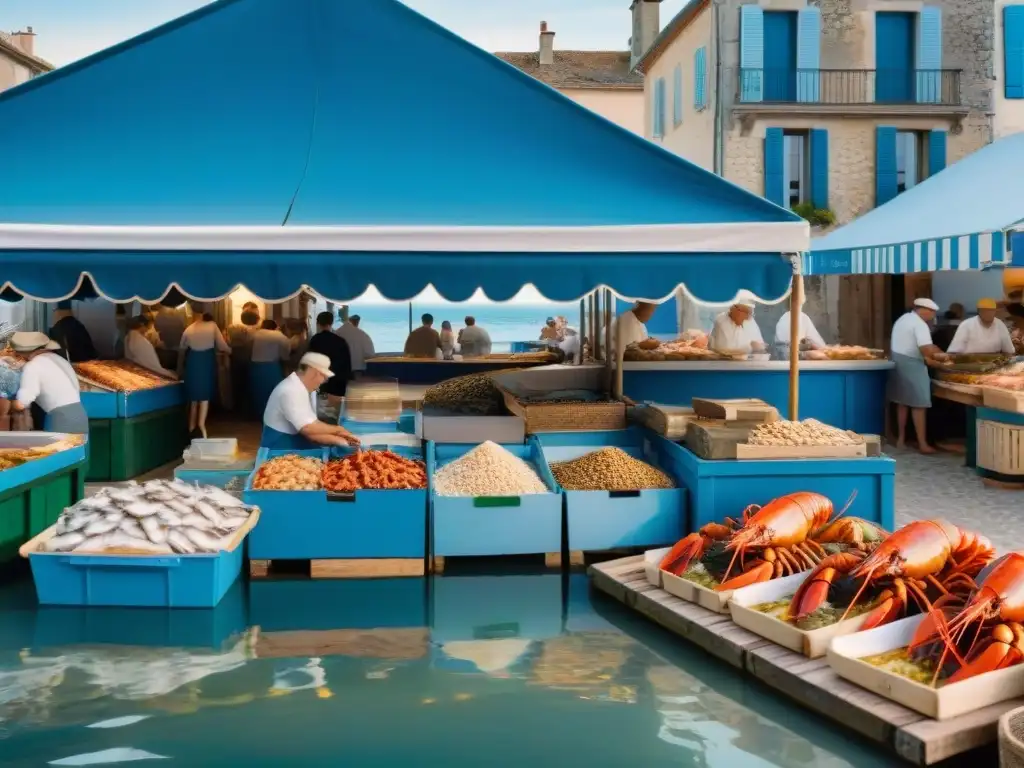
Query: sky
(67, 30)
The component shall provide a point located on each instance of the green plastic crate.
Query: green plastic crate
(120, 449)
(28, 510)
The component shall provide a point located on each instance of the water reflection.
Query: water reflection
(477, 670)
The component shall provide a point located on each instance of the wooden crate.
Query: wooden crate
(551, 560)
(742, 409)
(371, 568)
(1000, 447)
(566, 417)
(1003, 399)
(746, 451)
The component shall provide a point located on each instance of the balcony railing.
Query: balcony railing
(849, 86)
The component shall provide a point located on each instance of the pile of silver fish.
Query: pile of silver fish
(159, 517)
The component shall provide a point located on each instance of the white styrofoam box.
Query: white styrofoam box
(652, 559)
(504, 430)
(812, 644)
(845, 656)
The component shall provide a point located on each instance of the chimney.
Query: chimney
(25, 40)
(547, 45)
(646, 26)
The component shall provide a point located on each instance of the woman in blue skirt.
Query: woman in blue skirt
(200, 344)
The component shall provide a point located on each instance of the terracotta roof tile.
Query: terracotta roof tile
(579, 69)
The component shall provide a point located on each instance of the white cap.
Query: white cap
(317, 362)
(926, 304)
(30, 341)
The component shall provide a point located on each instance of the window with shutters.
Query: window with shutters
(796, 167)
(911, 159)
(658, 116)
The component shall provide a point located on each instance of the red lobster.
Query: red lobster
(995, 610)
(779, 532)
(921, 555)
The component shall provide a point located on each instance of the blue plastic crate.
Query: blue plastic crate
(486, 525)
(496, 607)
(599, 520)
(142, 581)
(724, 488)
(154, 627)
(314, 525)
(326, 604)
(149, 400)
(37, 468)
(100, 405)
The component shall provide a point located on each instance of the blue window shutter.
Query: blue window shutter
(819, 168)
(677, 95)
(774, 166)
(658, 118)
(808, 55)
(929, 55)
(1013, 51)
(885, 164)
(700, 78)
(936, 152)
(751, 53)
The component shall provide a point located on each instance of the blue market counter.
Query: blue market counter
(848, 395)
(410, 370)
(124, 405)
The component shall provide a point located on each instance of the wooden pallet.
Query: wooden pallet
(580, 558)
(552, 560)
(810, 682)
(338, 569)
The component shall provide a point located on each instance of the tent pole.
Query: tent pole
(796, 301)
(583, 326)
(591, 327)
(410, 317)
(599, 345)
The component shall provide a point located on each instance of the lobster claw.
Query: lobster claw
(763, 571)
(813, 592)
(1002, 650)
(685, 551)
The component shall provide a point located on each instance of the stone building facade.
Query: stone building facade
(18, 62)
(833, 105)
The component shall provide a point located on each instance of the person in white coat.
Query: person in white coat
(909, 384)
(982, 335)
(632, 324)
(736, 331)
(808, 333)
(49, 381)
(140, 350)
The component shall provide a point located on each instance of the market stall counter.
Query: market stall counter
(413, 370)
(849, 394)
(41, 473)
(136, 419)
(1000, 437)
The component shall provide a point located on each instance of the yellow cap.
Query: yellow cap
(987, 304)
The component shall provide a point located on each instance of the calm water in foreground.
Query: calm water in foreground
(465, 671)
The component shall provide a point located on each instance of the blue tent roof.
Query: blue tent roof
(343, 113)
(957, 219)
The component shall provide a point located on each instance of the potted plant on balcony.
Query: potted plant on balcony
(817, 217)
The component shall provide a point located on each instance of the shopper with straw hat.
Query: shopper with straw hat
(49, 381)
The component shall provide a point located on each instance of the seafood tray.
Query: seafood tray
(495, 525)
(322, 525)
(150, 581)
(35, 454)
(709, 598)
(812, 644)
(601, 520)
(846, 656)
(652, 561)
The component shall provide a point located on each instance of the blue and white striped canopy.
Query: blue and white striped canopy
(959, 219)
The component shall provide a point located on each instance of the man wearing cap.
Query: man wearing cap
(909, 383)
(49, 381)
(290, 422)
(982, 335)
(736, 330)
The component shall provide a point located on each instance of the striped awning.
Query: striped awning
(959, 219)
(963, 252)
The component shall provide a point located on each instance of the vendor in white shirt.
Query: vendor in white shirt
(290, 422)
(909, 384)
(140, 350)
(631, 324)
(736, 331)
(808, 333)
(49, 381)
(982, 335)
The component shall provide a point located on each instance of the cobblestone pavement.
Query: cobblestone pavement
(941, 486)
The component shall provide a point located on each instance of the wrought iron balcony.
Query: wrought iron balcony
(849, 87)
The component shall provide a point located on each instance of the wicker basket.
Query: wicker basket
(1011, 739)
(566, 417)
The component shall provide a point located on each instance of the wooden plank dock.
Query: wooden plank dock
(810, 682)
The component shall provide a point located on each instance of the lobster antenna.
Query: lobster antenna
(728, 570)
(846, 507)
(863, 586)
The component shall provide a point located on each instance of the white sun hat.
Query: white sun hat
(926, 304)
(318, 362)
(30, 341)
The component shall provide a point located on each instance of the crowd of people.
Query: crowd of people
(429, 343)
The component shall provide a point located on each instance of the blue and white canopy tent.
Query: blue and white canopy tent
(215, 151)
(963, 218)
